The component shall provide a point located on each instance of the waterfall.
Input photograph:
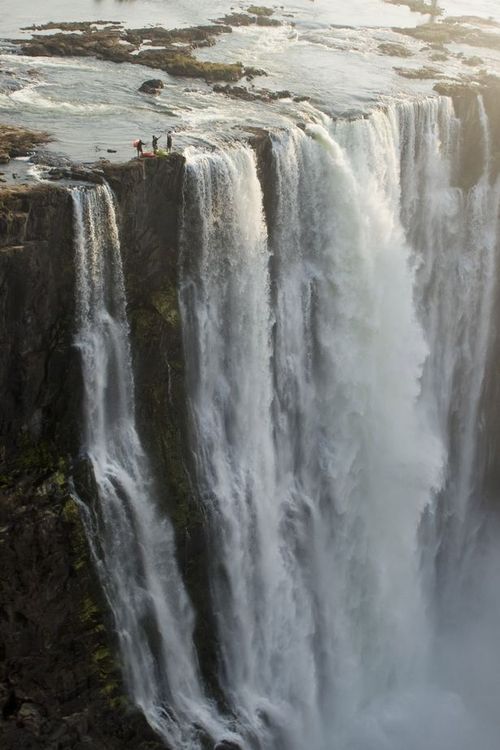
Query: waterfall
(337, 326)
(131, 538)
(335, 359)
(454, 235)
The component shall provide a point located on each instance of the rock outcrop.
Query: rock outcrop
(152, 86)
(16, 141)
(170, 50)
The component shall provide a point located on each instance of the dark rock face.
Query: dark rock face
(60, 685)
(36, 320)
(149, 195)
(465, 100)
(153, 86)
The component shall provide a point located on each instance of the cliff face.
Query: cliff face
(149, 197)
(60, 684)
(36, 319)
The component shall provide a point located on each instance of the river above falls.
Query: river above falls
(328, 52)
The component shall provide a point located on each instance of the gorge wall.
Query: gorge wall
(60, 680)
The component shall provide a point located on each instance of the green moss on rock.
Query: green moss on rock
(165, 303)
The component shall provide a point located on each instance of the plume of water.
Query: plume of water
(323, 359)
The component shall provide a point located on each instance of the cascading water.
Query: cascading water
(454, 233)
(131, 539)
(326, 363)
(335, 348)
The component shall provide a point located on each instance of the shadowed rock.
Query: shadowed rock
(153, 86)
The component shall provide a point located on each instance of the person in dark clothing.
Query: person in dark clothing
(169, 142)
(154, 141)
(139, 144)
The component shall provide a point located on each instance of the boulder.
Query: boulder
(153, 86)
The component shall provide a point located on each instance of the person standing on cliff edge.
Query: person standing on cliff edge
(169, 142)
(154, 141)
(138, 145)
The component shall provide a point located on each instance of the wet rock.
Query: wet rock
(260, 10)
(419, 74)
(152, 86)
(70, 25)
(439, 57)
(8, 86)
(251, 72)
(236, 92)
(60, 685)
(448, 32)
(473, 61)
(241, 92)
(19, 141)
(393, 49)
(75, 173)
(246, 19)
(173, 51)
(56, 174)
(31, 716)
